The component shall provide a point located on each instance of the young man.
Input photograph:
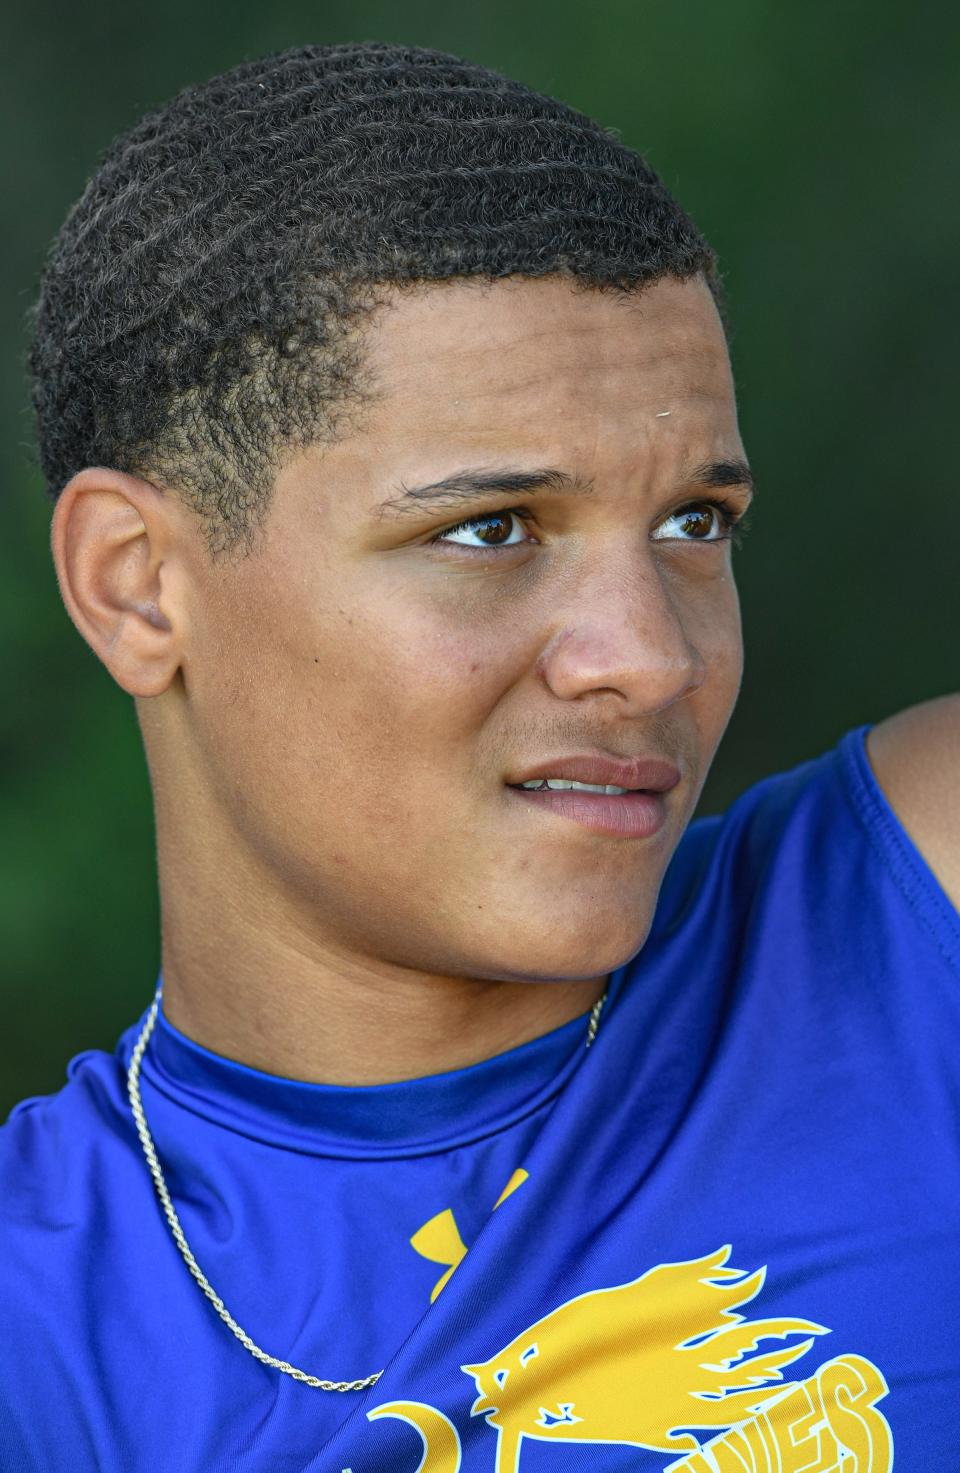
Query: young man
(498, 1117)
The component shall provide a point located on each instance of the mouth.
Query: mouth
(637, 813)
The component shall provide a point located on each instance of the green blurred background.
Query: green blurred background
(814, 144)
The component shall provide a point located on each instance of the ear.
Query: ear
(117, 545)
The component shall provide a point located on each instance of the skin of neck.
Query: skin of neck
(351, 893)
(334, 1011)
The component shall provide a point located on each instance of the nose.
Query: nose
(626, 631)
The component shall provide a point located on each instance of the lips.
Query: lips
(631, 815)
(651, 774)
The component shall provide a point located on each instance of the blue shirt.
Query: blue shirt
(725, 1237)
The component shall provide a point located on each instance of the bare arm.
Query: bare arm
(915, 756)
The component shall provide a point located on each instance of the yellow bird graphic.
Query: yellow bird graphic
(640, 1363)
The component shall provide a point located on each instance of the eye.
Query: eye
(493, 529)
(713, 520)
(706, 517)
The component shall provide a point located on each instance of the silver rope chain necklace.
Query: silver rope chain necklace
(149, 1151)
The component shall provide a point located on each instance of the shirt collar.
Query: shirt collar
(412, 1117)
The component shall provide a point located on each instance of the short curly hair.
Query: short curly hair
(197, 313)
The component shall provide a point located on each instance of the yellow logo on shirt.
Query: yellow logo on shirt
(440, 1240)
(653, 1362)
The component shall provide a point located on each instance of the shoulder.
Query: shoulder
(915, 757)
(47, 1143)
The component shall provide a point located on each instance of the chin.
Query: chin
(587, 945)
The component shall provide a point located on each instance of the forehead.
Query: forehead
(623, 391)
(526, 353)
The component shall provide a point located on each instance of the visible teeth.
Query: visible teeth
(556, 783)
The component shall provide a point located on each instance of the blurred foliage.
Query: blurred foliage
(814, 146)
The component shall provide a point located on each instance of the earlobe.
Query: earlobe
(112, 549)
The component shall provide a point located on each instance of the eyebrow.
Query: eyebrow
(462, 486)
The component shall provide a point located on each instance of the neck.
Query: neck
(327, 1028)
(271, 974)
(247, 980)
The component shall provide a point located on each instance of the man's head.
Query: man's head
(287, 302)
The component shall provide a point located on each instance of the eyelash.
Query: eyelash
(734, 523)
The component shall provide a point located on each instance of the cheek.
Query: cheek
(368, 702)
(723, 645)
(711, 620)
(408, 697)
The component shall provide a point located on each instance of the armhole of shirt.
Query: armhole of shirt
(914, 878)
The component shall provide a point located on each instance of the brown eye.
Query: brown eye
(698, 522)
(493, 530)
(496, 530)
(702, 521)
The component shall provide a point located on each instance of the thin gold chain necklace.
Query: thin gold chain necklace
(149, 1151)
